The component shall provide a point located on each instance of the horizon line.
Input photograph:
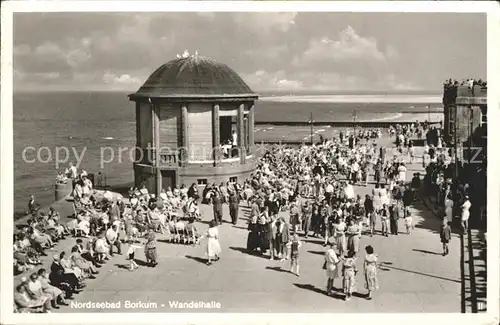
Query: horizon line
(278, 91)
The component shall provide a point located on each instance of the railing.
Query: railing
(169, 159)
(174, 158)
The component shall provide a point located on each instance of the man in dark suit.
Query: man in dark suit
(217, 205)
(407, 197)
(394, 217)
(58, 276)
(234, 204)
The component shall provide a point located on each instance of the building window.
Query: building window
(233, 180)
(202, 181)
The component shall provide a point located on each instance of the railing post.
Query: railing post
(184, 154)
(216, 134)
(241, 133)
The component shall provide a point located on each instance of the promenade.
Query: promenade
(414, 277)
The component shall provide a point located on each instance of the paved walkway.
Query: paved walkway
(414, 277)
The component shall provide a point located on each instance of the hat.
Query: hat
(331, 240)
(24, 279)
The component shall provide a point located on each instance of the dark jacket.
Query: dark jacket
(234, 201)
(216, 201)
(369, 205)
(395, 212)
(445, 233)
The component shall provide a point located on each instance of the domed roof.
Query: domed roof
(194, 77)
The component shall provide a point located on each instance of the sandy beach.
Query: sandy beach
(419, 99)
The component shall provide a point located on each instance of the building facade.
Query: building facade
(195, 124)
(465, 120)
(465, 130)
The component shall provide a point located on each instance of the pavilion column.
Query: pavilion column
(215, 134)
(184, 154)
(156, 140)
(241, 133)
(251, 126)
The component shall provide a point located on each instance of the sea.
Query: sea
(60, 126)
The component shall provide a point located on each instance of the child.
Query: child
(293, 248)
(408, 221)
(445, 235)
(131, 255)
(349, 272)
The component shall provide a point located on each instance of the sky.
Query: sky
(270, 51)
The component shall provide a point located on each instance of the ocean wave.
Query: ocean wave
(414, 99)
(107, 138)
(387, 118)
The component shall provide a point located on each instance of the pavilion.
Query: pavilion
(194, 124)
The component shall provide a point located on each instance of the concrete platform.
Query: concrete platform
(414, 277)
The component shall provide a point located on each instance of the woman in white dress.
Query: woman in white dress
(332, 267)
(384, 196)
(402, 173)
(213, 249)
(465, 213)
(448, 208)
(339, 229)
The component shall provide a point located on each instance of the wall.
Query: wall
(144, 174)
(170, 125)
(146, 126)
(187, 175)
(200, 131)
(468, 120)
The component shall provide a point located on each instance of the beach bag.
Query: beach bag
(324, 265)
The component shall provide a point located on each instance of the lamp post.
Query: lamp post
(354, 116)
(311, 121)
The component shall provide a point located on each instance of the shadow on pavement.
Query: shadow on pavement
(197, 259)
(247, 252)
(314, 241)
(277, 268)
(388, 267)
(240, 227)
(426, 252)
(316, 252)
(309, 287)
(126, 266)
(337, 295)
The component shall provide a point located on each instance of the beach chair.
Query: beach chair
(192, 237)
(180, 229)
(168, 233)
(174, 236)
(78, 232)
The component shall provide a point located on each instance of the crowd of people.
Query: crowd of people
(313, 184)
(470, 82)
